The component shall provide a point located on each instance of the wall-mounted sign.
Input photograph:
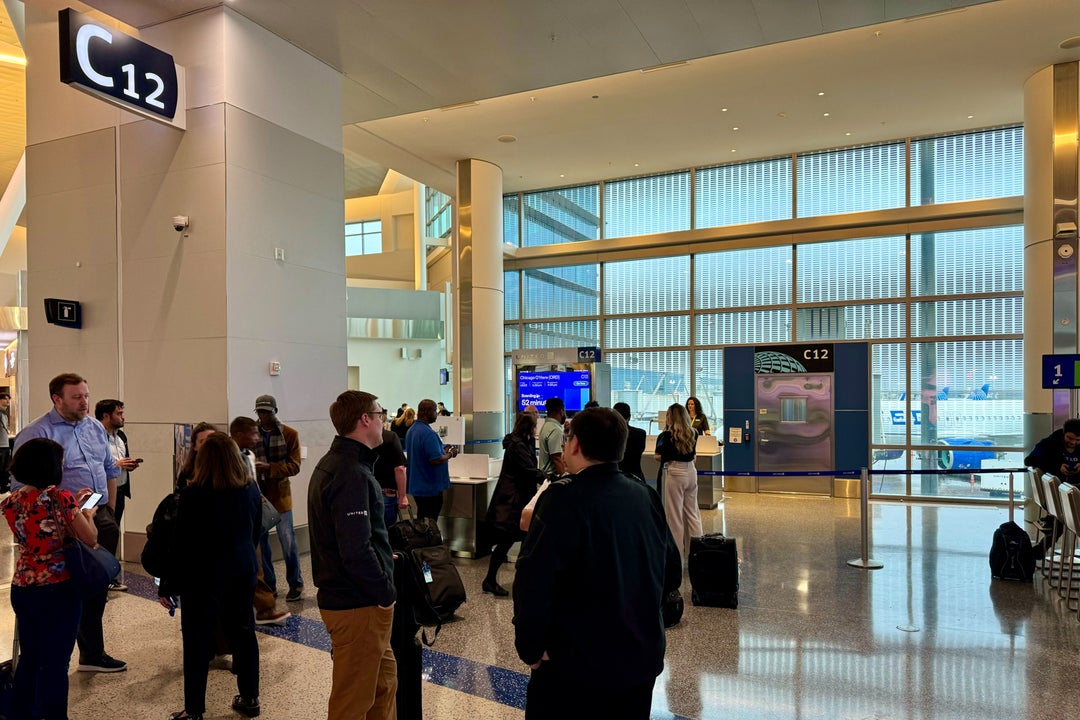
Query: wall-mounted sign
(118, 68)
(1060, 371)
(816, 357)
(65, 313)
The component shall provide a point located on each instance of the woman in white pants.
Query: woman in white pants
(675, 449)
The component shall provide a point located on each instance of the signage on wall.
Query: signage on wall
(65, 313)
(1060, 372)
(119, 69)
(815, 357)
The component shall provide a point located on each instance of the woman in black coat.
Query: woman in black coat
(516, 485)
(218, 522)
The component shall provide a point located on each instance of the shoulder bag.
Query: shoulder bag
(270, 516)
(91, 568)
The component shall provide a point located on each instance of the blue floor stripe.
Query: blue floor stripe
(506, 687)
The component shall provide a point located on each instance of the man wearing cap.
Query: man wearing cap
(277, 458)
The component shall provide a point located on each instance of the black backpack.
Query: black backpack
(431, 586)
(157, 553)
(1011, 557)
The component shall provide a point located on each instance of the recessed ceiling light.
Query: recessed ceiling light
(825, 114)
(847, 133)
(734, 128)
(970, 117)
(506, 138)
(732, 149)
(723, 109)
(781, 114)
(637, 164)
(820, 94)
(1070, 43)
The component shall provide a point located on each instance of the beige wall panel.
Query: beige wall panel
(265, 214)
(151, 148)
(311, 377)
(394, 380)
(384, 266)
(296, 160)
(93, 286)
(197, 43)
(153, 480)
(175, 298)
(150, 202)
(71, 163)
(281, 302)
(94, 361)
(69, 227)
(273, 79)
(176, 380)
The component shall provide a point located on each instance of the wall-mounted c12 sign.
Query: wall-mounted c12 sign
(118, 68)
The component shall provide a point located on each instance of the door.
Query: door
(794, 431)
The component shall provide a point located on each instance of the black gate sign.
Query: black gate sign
(116, 67)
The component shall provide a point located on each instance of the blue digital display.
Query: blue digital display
(573, 386)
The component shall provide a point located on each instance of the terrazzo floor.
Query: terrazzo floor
(928, 636)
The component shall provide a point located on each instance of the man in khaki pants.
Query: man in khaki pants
(352, 563)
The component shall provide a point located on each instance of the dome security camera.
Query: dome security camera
(180, 223)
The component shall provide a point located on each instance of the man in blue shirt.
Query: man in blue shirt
(428, 472)
(88, 463)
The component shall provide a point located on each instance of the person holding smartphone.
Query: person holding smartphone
(47, 605)
(429, 474)
(110, 413)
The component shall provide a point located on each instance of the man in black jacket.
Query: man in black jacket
(591, 577)
(1058, 454)
(353, 564)
(635, 444)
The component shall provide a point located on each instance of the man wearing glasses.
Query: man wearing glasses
(352, 563)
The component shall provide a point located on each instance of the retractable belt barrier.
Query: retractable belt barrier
(864, 561)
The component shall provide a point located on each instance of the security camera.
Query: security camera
(180, 223)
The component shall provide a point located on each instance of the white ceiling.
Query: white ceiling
(535, 66)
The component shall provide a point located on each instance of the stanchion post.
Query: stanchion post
(864, 562)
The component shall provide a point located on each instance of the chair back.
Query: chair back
(1050, 494)
(1069, 502)
(1038, 494)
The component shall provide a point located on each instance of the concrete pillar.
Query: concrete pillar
(478, 303)
(182, 326)
(1051, 179)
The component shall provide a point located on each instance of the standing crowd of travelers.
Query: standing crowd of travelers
(594, 537)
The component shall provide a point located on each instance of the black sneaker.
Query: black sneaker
(295, 593)
(117, 586)
(183, 715)
(103, 664)
(246, 707)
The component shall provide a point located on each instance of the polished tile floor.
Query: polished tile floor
(928, 636)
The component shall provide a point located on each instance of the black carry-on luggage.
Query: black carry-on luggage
(7, 680)
(406, 647)
(436, 589)
(1011, 555)
(714, 571)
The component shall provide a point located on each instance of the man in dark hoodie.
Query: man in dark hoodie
(353, 564)
(1058, 454)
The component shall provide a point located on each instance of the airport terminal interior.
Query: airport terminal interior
(851, 222)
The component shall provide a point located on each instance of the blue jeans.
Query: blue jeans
(48, 620)
(287, 538)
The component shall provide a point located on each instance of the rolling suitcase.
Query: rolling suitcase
(7, 679)
(714, 571)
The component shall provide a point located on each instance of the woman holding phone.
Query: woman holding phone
(218, 524)
(47, 605)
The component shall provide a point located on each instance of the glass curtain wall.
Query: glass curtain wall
(942, 311)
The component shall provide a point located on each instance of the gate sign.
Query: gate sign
(1061, 372)
(117, 68)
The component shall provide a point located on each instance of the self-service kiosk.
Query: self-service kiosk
(576, 375)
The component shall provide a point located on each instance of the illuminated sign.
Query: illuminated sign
(117, 68)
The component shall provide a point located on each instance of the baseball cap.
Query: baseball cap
(266, 402)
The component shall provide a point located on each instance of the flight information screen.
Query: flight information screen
(534, 388)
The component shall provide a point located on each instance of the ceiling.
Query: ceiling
(563, 77)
